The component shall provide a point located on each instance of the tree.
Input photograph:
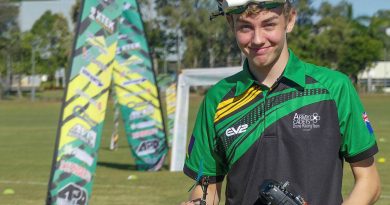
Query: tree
(358, 53)
(342, 42)
(9, 29)
(208, 43)
(161, 43)
(336, 39)
(75, 12)
(301, 39)
(378, 28)
(54, 46)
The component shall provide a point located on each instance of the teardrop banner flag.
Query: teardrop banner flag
(168, 83)
(110, 44)
(137, 92)
(171, 106)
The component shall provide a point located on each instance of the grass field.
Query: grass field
(27, 135)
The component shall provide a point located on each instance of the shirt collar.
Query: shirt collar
(294, 71)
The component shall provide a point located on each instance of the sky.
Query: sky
(360, 7)
(31, 11)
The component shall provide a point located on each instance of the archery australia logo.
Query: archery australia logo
(306, 122)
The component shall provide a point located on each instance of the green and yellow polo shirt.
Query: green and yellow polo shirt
(300, 130)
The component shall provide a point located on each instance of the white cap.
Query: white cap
(233, 3)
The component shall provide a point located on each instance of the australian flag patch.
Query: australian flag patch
(367, 122)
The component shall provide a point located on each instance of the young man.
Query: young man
(281, 119)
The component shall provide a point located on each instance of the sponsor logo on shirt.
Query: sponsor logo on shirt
(306, 122)
(234, 131)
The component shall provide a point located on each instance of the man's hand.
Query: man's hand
(192, 202)
(212, 198)
(187, 203)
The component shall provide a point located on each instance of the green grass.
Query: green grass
(27, 135)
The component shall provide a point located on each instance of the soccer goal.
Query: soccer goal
(188, 78)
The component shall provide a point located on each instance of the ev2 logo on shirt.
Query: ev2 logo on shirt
(233, 131)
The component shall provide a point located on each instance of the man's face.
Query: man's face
(262, 37)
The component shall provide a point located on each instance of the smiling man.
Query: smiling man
(281, 119)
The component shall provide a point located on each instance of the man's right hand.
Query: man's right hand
(188, 203)
(213, 195)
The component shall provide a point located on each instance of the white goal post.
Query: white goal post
(191, 77)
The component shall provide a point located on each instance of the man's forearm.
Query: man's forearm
(363, 193)
(367, 183)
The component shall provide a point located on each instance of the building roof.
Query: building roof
(380, 70)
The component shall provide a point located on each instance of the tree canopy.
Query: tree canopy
(328, 36)
(336, 40)
(50, 37)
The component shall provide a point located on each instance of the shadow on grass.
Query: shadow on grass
(121, 166)
(118, 166)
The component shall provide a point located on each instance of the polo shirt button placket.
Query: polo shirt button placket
(267, 105)
(265, 91)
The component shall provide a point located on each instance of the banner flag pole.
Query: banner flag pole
(115, 134)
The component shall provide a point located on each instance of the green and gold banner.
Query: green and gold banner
(137, 92)
(99, 55)
(168, 85)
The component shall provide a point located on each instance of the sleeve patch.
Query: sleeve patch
(367, 122)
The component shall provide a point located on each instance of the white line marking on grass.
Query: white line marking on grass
(22, 182)
(385, 197)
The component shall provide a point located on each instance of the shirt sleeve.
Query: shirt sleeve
(201, 158)
(358, 139)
